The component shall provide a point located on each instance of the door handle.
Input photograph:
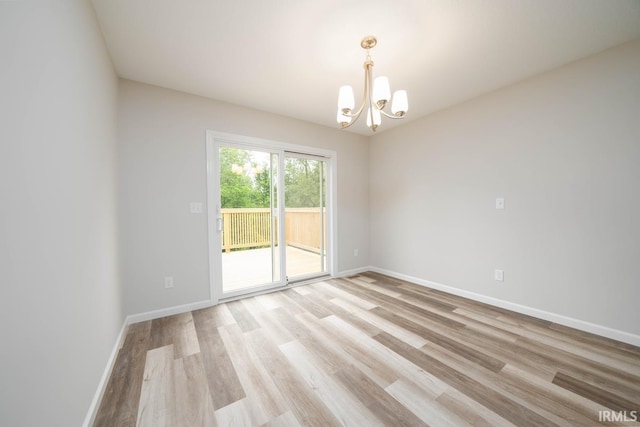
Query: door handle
(220, 223)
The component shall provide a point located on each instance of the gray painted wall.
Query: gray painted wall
(60, 310)
(563, 149)
(162, 161)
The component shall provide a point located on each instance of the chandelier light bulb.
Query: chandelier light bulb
(377, 119)
(381, 91)
(400, 104)
(345, 99)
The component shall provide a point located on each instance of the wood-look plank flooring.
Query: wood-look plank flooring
(368, 350)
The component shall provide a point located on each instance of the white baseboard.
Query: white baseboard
(102, 385)
(355, 271)
(169, 311)
(593, 328)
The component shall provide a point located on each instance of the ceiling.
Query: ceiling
(290, 57)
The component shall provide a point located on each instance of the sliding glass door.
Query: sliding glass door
(268, 216)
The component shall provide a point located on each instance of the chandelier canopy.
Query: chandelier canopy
(376, 96)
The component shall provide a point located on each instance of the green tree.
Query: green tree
(235, 188)
(302, 183)
(262, 188)
(244, 181)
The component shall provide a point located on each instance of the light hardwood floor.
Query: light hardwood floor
(368, 350)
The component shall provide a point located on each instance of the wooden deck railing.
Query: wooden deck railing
(251, 228)
(246, 228)
(302, 228)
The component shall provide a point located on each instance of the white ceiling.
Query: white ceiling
(290, 56)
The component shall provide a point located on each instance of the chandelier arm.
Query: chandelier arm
(365, 93)
(369, 90)
(391, 116)
(356, 115)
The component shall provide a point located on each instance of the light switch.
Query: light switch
(499, 203)
(195, 207)
(168, 282)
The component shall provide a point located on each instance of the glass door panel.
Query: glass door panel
(305, 216)
(248, 220)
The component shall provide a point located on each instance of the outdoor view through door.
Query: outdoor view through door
(305, 216)
(252, 224)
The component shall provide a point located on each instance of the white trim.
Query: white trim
(169, 311)
(282, 229)
(332, 219)
(278, 145)
(582, 325)
(353, 272)
(213, 204)
(102, 385)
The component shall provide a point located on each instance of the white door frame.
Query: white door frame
(213, 139)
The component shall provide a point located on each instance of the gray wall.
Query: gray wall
(162, 167)
(60, 310)
(563, 149)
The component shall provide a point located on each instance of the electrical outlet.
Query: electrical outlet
(355, 252)
(195, 207)
(499, 203)
(499, 275)
(168, 282)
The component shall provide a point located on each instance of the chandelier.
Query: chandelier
(376, 96)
